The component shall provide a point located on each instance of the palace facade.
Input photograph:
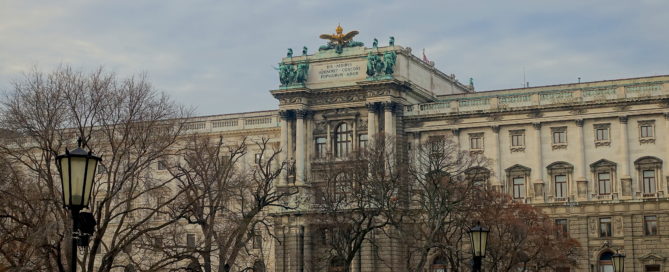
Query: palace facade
(591, 155)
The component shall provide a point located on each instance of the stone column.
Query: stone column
(372, 121)
(285, 117)
(665, 170)
(625, 178)
(538, 171)
(389, 123)
(580, 180)
(300, 135)
(496, 182)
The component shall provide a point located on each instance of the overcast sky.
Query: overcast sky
(218, 56)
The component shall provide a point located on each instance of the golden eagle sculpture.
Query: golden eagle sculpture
(339, 37)
(339, 40)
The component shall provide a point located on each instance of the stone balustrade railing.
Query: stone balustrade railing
(223, 123)
(539, 97)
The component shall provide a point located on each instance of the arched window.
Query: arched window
(439, 264)
(605, 262)
(343, 138)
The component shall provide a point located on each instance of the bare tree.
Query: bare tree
(522, 238)
(353, 196)
(227, 202)
(125, 121)
(443, 183)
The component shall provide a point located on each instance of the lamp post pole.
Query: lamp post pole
(479, 238)
(77, 171)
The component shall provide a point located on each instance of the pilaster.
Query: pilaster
(625, 177)
(285, 152)
(389, 118)
(538, 171)
(300, 142)
(580, 162)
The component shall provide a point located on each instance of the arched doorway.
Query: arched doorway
(439, 264)
(606, 262)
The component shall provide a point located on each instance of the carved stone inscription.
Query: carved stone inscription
(337, 71)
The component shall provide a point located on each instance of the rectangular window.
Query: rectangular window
(562, 227)
(647, 131)
(649, 182)
(602, 134)
(476, 142)
(652, 268)
(519, 187)
(158, 242)
(518, 140)
(257, 241)
(560, 137)
(650, 225)
(257, 157)
(320, 147)
(190, 240)
(560, 186)
(362, 141)
(605, 227)
(604, 181)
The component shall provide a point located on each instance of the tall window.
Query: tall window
(190, 240)
(605, 227)
(476, 141)
(518, 187)
(320, 147)
(604, 181)
(342, 140)
(649, 182)
(560, 186)
(362, 141)
(650, 225)
(562, 227)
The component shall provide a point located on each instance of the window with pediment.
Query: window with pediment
(561, 175)
(518, 177)
(648, 169)
(604, 173)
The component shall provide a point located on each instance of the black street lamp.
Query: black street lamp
(618, 262)
(77, 170)
(479, 238)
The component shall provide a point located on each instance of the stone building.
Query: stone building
(591, 155)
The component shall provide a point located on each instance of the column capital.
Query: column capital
(301, 114)
(536, 125)
(372, 106)
(495, 128)
(579, 122)
(623, 119)
(284, 114)
(389, 106)
(666, 115)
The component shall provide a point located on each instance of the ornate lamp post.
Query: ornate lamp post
(618, 262)
(77, 169)
(479, 238)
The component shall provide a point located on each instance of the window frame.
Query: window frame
(476, 141)
(605, 227)
(564, 185)
(343, 140)
(607, 183)
(519, 190)
(320, 146)
(650, 230)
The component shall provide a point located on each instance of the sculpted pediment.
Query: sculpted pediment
(652, 258)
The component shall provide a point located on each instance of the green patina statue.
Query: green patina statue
(285, 73)
(375, 44)
(290, 53)
(389, 59)
(304, 51)
(391, 42)
(301, 73)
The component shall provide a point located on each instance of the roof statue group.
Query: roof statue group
(378, 66)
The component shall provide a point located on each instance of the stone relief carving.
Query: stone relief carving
(378, 92)
(618, 226)
(290, 100)
(593, 227)
(340, 98)
(320, 127)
